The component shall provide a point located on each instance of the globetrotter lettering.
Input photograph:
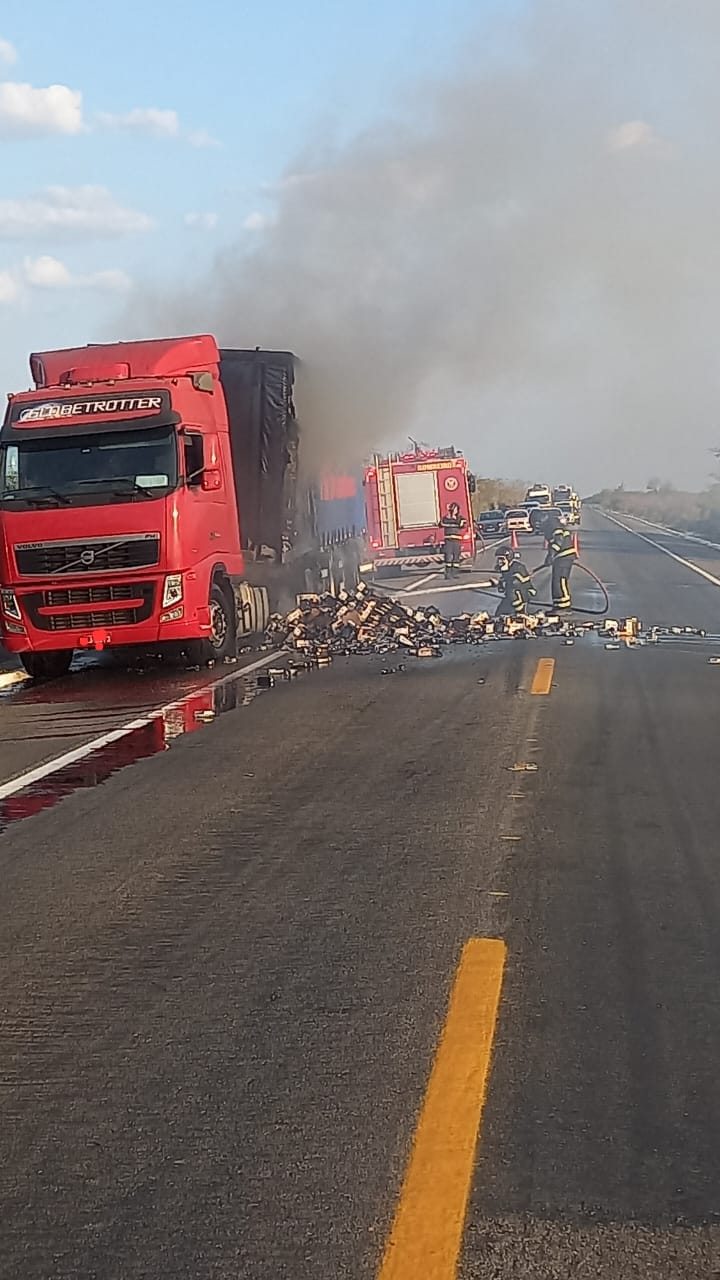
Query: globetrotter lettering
(90, 408)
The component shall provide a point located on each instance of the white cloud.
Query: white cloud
(258, 221)
(149, 120)
(201, 138)
(8, 53)
(8, 287)
(112, 281)
(47, 272)
(633, 133)
(30, 112)
(203, 221)
(50, 275)
(69, 211)
(154, 122)
(27, 112)
(288, 181)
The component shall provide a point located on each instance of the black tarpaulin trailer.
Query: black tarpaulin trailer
(258, 388)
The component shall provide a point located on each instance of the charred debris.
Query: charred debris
(366, 622)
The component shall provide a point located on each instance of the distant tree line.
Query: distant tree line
(497, 493)
(661, 502)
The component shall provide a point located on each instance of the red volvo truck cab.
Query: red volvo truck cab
(148, 497)
(406, 496)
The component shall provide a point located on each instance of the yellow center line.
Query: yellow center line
(543, 678)
(426, 1236)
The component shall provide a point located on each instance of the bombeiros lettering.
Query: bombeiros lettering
(51, 411)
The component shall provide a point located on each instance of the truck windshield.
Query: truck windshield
(110, 466)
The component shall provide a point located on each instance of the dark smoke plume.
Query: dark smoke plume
(525, 261)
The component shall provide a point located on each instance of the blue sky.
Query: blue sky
(137, 139)
(560, 186)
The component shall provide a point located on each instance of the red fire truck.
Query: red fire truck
(406, 496)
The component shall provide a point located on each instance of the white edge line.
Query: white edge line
(428, 577)
(412, 589)
(460, 586)
(78, 753)
(666, 528)
(659, 547)
(412, 586)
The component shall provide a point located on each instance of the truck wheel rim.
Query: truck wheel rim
(219, 625)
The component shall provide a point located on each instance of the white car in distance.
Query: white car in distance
(518, 519)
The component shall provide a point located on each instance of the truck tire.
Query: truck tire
(343, 569)
(221, 644)
(222, 616)
(47, 666)
(253, 610)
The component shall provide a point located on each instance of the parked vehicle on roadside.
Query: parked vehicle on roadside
(149, 496)
(539, 493)
(572, 515)
(540, 517)
(517, 519)
(491, 524)
(406, 497)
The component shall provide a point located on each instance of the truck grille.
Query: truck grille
(91, 555)
(93, 595)
(39, 603)
(83, 621)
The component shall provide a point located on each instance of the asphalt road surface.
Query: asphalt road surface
(226, 968)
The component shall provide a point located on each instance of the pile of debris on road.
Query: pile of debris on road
(368, 622)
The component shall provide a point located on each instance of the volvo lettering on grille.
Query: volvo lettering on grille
(88, 555)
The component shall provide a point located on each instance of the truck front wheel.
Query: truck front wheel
(47, 666)
(221, 643)
(222, 621)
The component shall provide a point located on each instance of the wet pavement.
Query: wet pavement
(72, 734)
(226, 970)
(61, 736)
(190, 712)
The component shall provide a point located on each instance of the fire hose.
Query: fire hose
(545, 604)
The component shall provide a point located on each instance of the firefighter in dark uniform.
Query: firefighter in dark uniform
(561, 554)
(452, 525)
(515, 584)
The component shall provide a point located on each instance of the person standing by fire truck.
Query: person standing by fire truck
(452, 524)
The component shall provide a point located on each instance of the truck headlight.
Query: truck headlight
(10, 606)
(173, 590)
